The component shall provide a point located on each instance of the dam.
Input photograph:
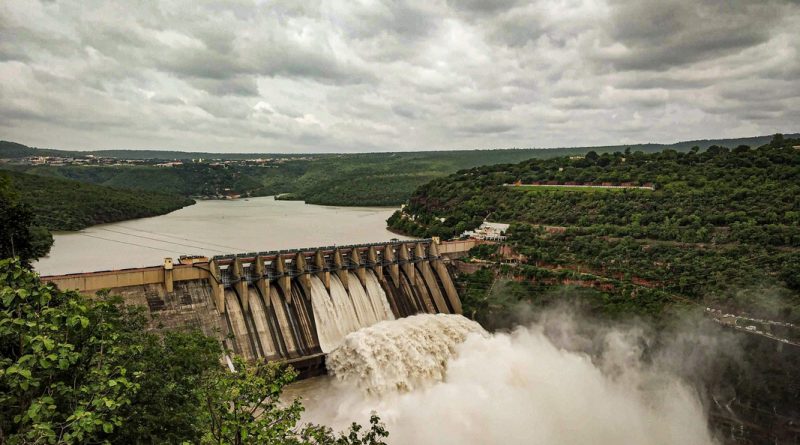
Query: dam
(290, 305)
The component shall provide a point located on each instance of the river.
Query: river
(214, 228)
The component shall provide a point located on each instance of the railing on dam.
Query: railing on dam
(225, 271)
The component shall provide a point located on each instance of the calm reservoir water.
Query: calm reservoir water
(214, 228)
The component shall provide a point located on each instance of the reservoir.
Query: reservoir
(214, 228)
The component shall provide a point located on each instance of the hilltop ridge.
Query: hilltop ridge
(367, 179)
(10, 150)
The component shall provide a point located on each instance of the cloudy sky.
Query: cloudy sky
(372, 75)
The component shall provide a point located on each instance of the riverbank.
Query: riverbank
(64, 204)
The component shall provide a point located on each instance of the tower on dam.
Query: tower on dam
(293, 305)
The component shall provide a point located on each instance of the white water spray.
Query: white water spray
(401, 354)
(441, 379)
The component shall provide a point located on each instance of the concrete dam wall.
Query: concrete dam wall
(293, 305)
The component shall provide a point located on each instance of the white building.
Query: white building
(488, 231)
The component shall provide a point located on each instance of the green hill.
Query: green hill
(63, 204)
(719, 228)
(11, 150)
(382, 179)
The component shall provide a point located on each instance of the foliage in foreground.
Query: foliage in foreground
(75, 370)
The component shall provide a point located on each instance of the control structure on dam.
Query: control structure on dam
(293, 305)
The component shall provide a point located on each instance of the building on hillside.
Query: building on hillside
(488, 231)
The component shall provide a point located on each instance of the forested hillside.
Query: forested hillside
(62, 204)
(722, 226)
(381, 179)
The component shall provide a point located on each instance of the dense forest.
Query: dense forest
(62, 204)
(371, 179)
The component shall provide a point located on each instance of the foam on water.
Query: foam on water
(400, 354)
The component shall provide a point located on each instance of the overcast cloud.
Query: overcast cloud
(372, 75)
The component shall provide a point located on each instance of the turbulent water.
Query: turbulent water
(341, 312)
(442, 379)
(401, 354)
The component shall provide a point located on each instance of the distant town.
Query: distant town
(58, 161)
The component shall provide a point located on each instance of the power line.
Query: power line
(163, 241)
(125, 242)
(181, 238)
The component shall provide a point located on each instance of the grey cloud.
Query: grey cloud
(167, 100)
(486, 127)
(483, 6)
(226, 109)
(236, 86)
(517, 30)
(576, 103)
(405, 111)
(412, 20)
(657, 34)
(481, 102)
(200, 64)
(394, 74)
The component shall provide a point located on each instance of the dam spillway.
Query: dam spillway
(289, 305)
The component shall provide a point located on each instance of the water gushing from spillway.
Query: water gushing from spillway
(442, 379)
(340, 312)
(378, 298)
(364, 312)
(400, 354)
(331, 328)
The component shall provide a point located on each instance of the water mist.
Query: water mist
(442, 379)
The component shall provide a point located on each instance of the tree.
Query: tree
(244, 407)
(20, 236)
(75, 370)
(167, 405)
(63, 377)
